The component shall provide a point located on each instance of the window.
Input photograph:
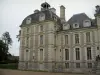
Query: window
(55, 54)
(75, 25)
(67, 65)
(55, 18)
(26, 50)
(28, 20)
(41, 39)
(88, 37)
(41, 54)
(76, 38)
(77, 65)
(89, 65)
(89, 57)
(42, 17)
(66, 54)
(27, 42)
(77, 54)
(66, 39)
(97, 48)
(27, 30)
(41, 28)
(66, 26)
(87, 23)
(60, 50)
(33, 55)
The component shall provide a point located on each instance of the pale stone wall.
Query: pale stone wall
(82, 45)
(54, 48)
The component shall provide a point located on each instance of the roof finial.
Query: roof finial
(45, 5)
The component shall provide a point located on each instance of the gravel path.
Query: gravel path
(18, 72)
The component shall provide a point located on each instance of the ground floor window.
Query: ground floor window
(89, 65)
(77, 65)
(67, 65)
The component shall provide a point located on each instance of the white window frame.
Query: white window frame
(84, 23)
(76, 26)
(66, 26)
(28, 20)
(42, 17)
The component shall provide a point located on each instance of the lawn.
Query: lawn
(9, 66)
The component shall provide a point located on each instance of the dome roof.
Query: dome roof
(45, 4)
(49, 15)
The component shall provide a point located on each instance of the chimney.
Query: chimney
(62, 12)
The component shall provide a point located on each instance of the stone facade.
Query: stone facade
(53, 46)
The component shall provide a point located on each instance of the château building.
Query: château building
(50, 43)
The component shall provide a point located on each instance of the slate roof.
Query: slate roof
(79, 18)
(35, 17)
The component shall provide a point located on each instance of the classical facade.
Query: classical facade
(50, 43)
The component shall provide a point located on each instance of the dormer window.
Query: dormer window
(28, 20)
(87, 23)
(55, 18)
(42, 17)
(76, 25)
(66, 26)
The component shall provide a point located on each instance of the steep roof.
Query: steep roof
(78, 18)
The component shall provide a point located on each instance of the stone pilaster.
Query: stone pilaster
(71, 52)
(93, 41)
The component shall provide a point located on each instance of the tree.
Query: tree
(18, 36)
(3, 51)
(4, 46)
(7, 39)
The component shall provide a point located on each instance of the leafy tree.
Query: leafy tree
(3, 51)
(7, 39)
(4, 46)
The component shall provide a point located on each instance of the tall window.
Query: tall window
(27, 41)
(41, 28)
(76, 38)
(77, 65)
(67, 65)
(89, 57)
(88, 37)
(41, 54)
(77, 54)
(27, 55)
(41, 39)
(89, 65)
(55, 54)
(66, 54)
(33, 55)
(27, 30)
(66, 39)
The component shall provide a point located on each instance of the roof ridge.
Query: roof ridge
(78, 14)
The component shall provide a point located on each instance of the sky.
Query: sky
(13, 12)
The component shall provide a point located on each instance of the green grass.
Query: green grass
(9, 66)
